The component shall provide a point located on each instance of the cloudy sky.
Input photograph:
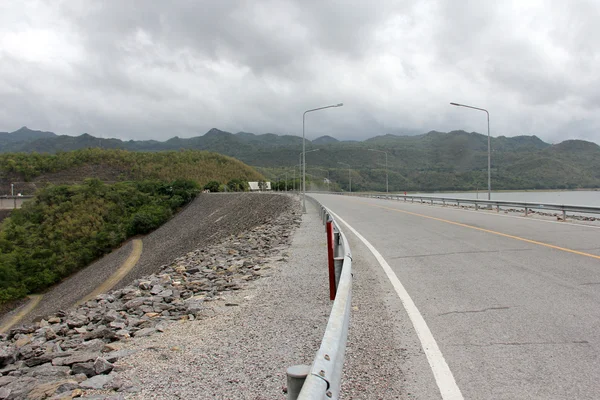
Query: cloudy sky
(157, 69)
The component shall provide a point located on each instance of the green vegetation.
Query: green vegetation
(87, 202)
(118, 165)
(212, 186)
(234, 185)
(433, 161)
(238, 185)
(442, 161)
(64, 228)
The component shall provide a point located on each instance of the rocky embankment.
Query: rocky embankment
(206, 221)
(76, 353)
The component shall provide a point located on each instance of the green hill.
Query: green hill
(29, 172)
(432, 161)
(87, 202)
(23, 135)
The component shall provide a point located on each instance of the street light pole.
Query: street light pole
(304, 154)
(386, 169)
(300, 157)
(349, 175)
(489, 145)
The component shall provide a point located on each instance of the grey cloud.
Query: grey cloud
(223, 30)
(142, 70)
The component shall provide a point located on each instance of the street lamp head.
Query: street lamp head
(308, 151)
(456, 104)
(339, 105)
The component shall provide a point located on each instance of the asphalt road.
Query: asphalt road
(513, 303)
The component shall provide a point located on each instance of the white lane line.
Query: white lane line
(441, 372)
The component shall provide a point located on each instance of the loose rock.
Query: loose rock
(78, 343)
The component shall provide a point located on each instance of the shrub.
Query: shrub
(148, 218)
(212, 186)
(238, 185)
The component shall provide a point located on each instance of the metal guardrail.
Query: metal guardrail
(324, 376)
(527, 206)
(8, 201)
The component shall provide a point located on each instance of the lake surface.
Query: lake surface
(568, 197)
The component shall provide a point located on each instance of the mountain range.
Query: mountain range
(431, 161)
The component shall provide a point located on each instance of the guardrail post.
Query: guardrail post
(296, 375)
(564, 215)
(338, 263)
(336, 242)
(332, 274)
(476, 207)
(338, 257)
(526, 211)
(498, 208)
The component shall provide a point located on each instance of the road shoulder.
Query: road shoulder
(384, 358)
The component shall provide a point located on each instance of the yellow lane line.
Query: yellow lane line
(119, 274)
(34, 300)
(485, 230)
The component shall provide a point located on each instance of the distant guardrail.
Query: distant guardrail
(10, 202)
(527, 206)
(322, 380)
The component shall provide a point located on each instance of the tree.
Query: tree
(237, 185)
(212, 186)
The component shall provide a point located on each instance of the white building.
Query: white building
(255, 188)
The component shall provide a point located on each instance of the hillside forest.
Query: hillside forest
(88, 202)
(434, 161)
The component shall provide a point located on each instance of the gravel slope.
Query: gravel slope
(208, 219)
(242, 351)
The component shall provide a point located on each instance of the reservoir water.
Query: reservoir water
(567, 197)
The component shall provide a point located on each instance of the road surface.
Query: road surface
(512, 303)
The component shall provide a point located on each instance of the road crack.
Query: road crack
(576, 342)
(457, 253)
(474, 311)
